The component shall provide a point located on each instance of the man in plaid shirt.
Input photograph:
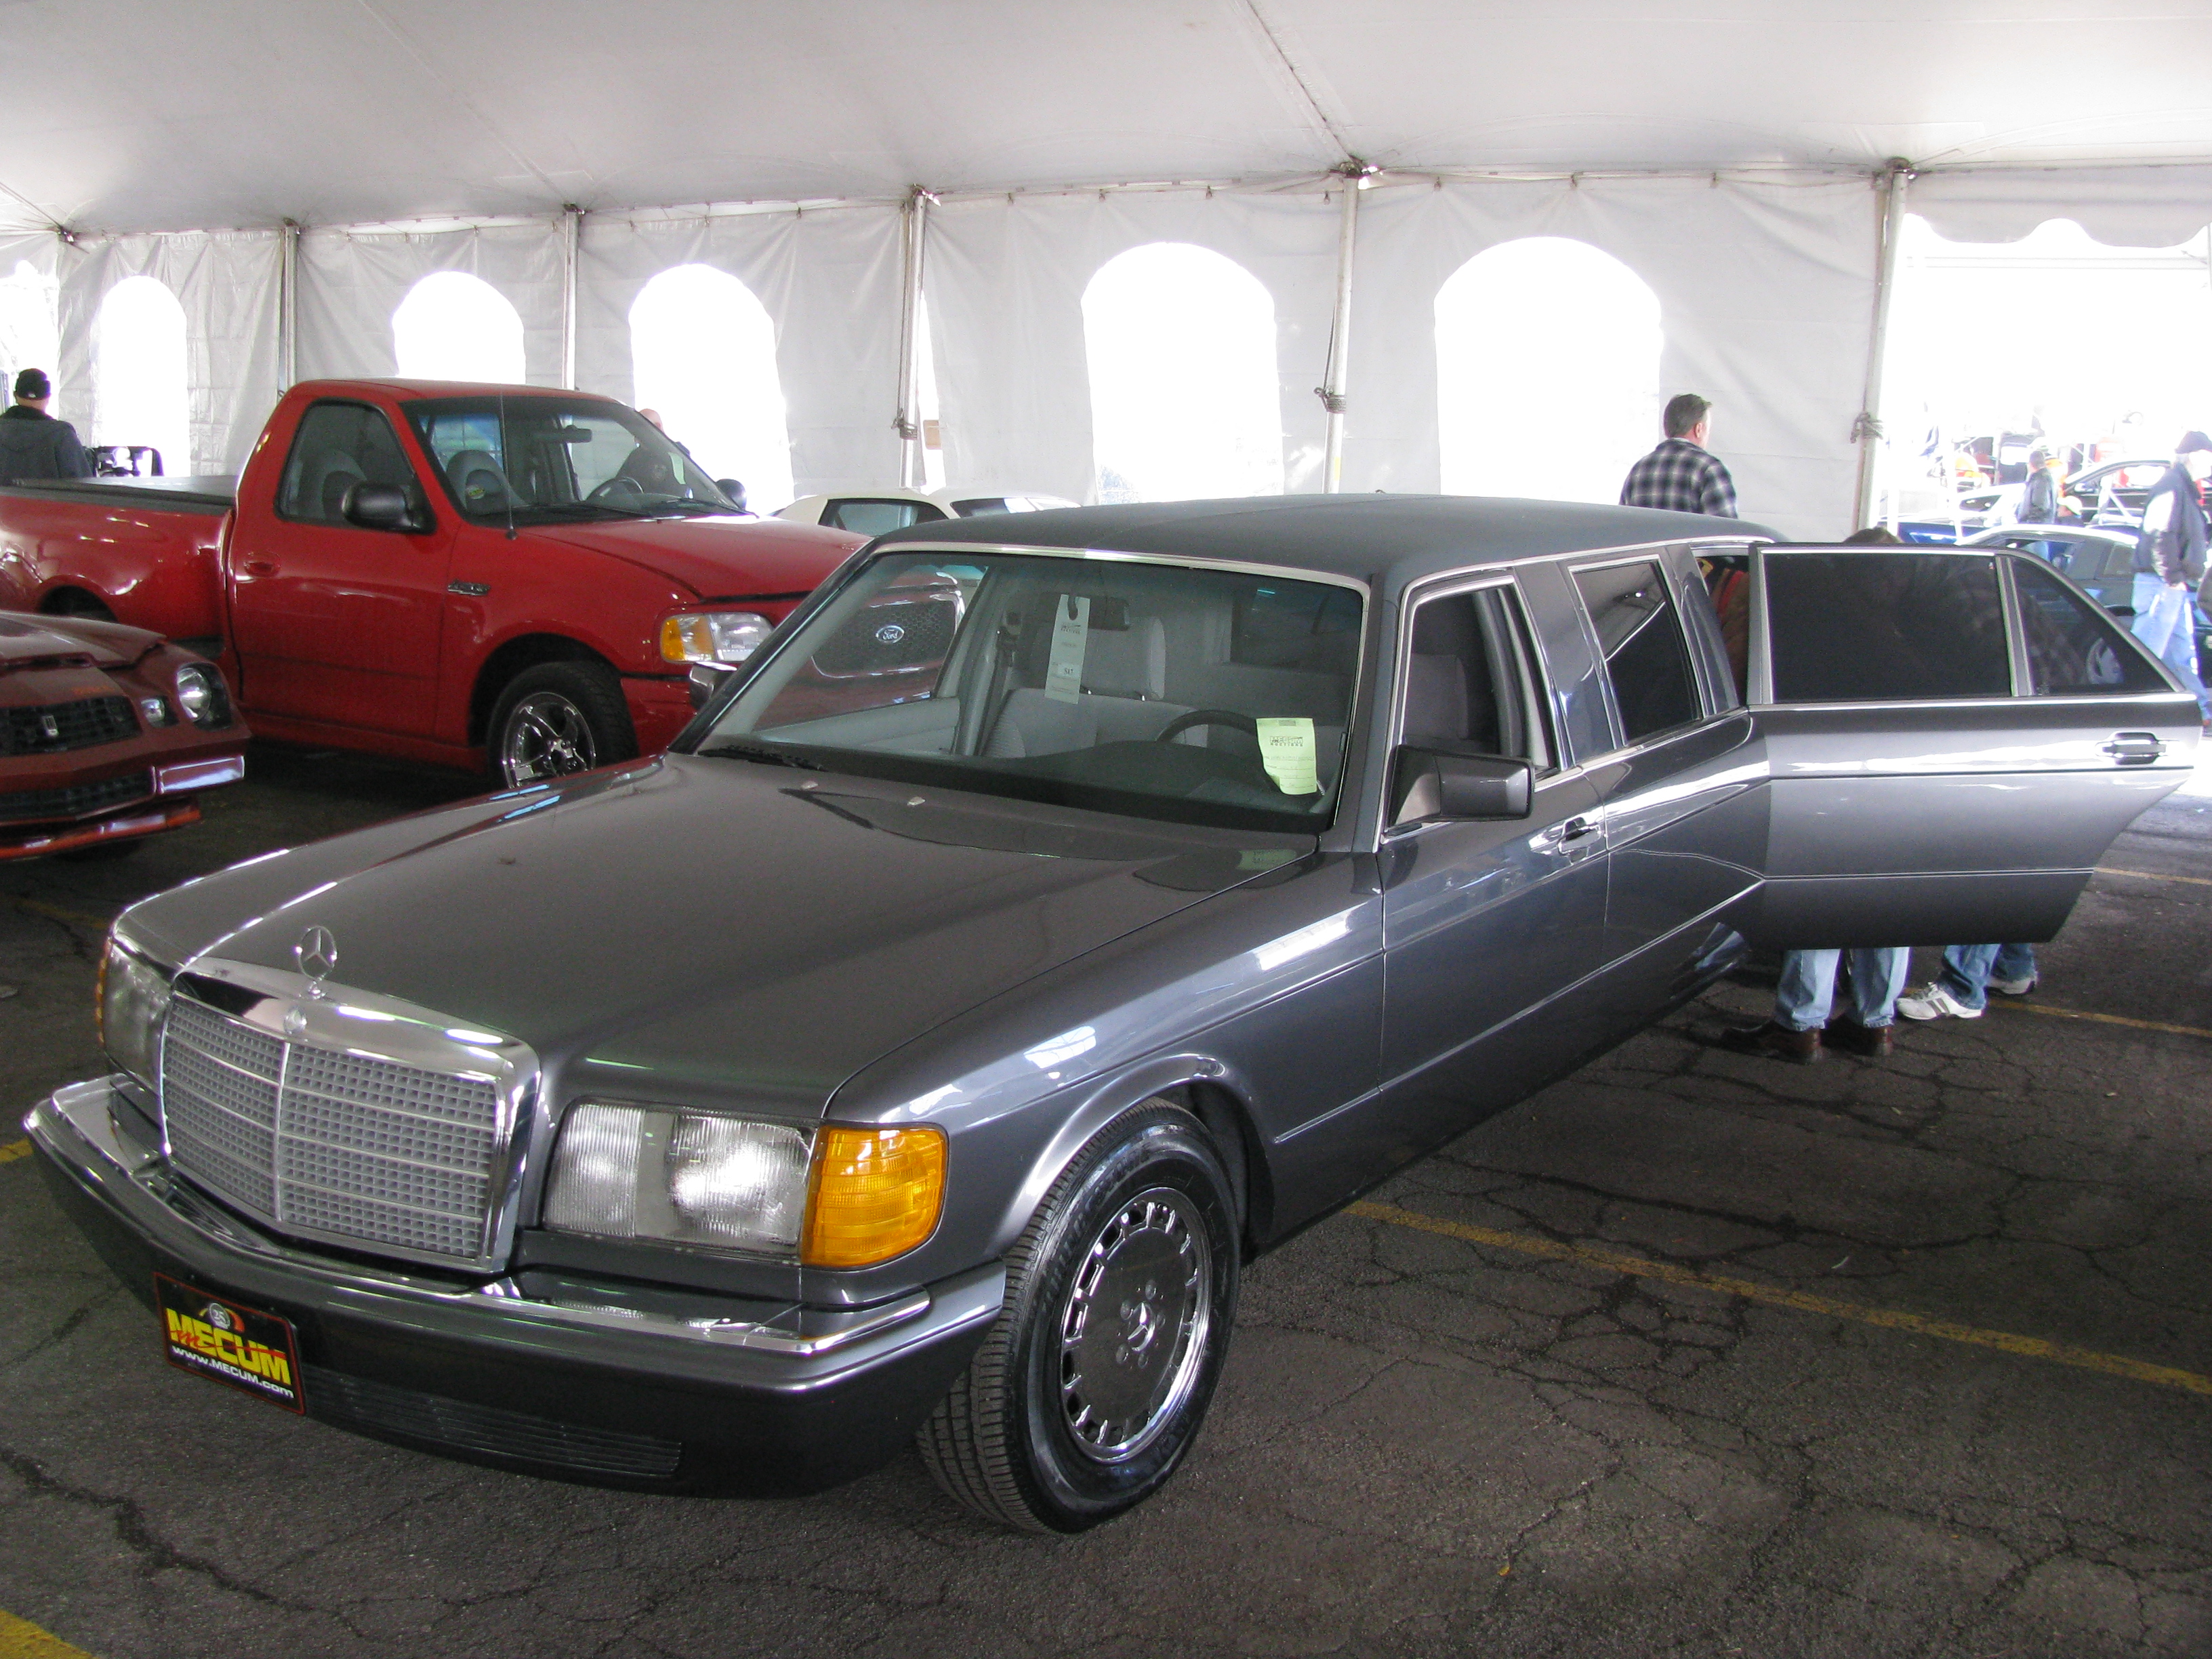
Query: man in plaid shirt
(1680, 476)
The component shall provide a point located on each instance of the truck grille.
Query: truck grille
(337, 1145)
(49, 728)
(886, 639)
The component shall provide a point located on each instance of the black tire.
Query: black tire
(557, 719)
(1024, 1437)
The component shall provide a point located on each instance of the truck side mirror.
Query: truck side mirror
(705, 679)
(377, 506)
(1456, 781)
(734, 490)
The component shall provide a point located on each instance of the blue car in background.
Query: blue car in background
(2101, 560)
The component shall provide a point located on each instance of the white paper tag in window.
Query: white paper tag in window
(1287, 749)
(1071, 630)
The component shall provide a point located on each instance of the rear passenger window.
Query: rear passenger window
(2072, 649)
(1886, 627)
(337, 446)
(1639, 634)
(877, 518)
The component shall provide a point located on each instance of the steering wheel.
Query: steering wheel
(1183, 723)
(616, 485)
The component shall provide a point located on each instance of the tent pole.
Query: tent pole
(572, 238)
(287, 306)
(1867, 430)
(1353, 175)
(912, 469)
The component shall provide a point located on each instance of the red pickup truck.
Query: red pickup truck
(444, 573)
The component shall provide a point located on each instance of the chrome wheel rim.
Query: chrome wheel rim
(546, 736)
(1132, 1331)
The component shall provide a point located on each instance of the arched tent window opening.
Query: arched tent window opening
(2095, 352)
(1547, 371)
(1185, 396)
(702, 352)
(30, 323)
(453, 326)
(139, 391)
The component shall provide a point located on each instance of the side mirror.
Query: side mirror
(734, 490)
(1458, 782)
(706, 678)
(377, 506)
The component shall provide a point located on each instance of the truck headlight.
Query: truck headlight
(132, 998)
(203, 696)
(713, 635)
(841, 1198)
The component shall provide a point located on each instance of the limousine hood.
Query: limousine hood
(716, 925)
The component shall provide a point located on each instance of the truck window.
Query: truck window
(1886, 627)
(339, 444)
(2072, 649)
(1639, 634)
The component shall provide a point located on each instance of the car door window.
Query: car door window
(2072, 649)
(877, 518)
(1639, 634)
(1851, 626)
(339, 444)
(1471, 678)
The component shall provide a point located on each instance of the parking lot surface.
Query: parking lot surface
(1694, 1353)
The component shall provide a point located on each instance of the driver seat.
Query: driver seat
(1125, 673)
(478, 482)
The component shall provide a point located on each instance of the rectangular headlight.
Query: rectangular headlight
(133, 996)
(687, 1177)
(723, 637)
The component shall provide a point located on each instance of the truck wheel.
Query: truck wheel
(1093, 1382)
(555, 719)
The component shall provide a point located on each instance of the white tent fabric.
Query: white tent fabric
(351, 282)
(2156, 206)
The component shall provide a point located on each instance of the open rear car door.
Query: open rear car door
(1953, 739)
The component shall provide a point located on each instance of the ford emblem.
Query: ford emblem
(890, 633)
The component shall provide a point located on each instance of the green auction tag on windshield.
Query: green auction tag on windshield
(1287, 749)
(1071, 630)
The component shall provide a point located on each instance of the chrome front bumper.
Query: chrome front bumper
(692, 1338)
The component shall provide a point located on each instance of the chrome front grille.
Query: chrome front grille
(339, 1145)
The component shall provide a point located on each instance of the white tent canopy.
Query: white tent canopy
(1732, 157)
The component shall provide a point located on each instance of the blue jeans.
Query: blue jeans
(1968, 968)
(2165, 621)
(1808, 989)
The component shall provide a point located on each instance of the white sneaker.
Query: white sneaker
(2013, 987)
(1932, 1001)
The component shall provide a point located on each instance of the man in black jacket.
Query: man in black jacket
(2170, 563)
(32, 443)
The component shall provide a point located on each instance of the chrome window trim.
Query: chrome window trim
(340, 1020)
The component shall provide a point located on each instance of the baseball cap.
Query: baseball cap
(33, 383)
(2191, 442)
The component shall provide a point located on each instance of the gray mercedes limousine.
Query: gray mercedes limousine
(1030, 934)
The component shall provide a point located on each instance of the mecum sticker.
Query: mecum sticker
(1071, 631)
(1287, 749)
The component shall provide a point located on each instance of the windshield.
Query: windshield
(544, 459)
(1177, 692)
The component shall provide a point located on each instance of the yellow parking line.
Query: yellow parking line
(56, 912)
(2033, 1347)
(2153, 875)
(2049, 1012)
(19, 1640)
(14, 1150)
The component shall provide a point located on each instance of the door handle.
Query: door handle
(1571, 830)
(2134, 748)
(258, 567)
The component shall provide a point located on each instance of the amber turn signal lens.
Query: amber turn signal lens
(874, 1194)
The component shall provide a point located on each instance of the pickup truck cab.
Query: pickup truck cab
(444, 573)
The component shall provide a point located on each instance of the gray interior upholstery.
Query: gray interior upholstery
(477, 479)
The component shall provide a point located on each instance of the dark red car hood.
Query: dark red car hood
(718, 558)
(27, 640)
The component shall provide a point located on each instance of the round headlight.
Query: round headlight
(202, 695)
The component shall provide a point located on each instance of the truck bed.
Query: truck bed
(210, 493)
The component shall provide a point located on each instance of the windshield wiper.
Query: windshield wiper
(765, 753)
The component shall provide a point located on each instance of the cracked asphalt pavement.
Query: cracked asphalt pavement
(1424, 1445)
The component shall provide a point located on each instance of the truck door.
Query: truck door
(334, 623)
(1953, 738)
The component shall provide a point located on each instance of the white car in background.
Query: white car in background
(2110, 492)
(878, 512)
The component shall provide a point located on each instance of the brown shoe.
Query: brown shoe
(1873, 1042)
(1801, 1046)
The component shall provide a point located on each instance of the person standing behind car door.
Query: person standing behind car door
(2039, 497)
(2170, 563)
(32, 443)
(1680, 476)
